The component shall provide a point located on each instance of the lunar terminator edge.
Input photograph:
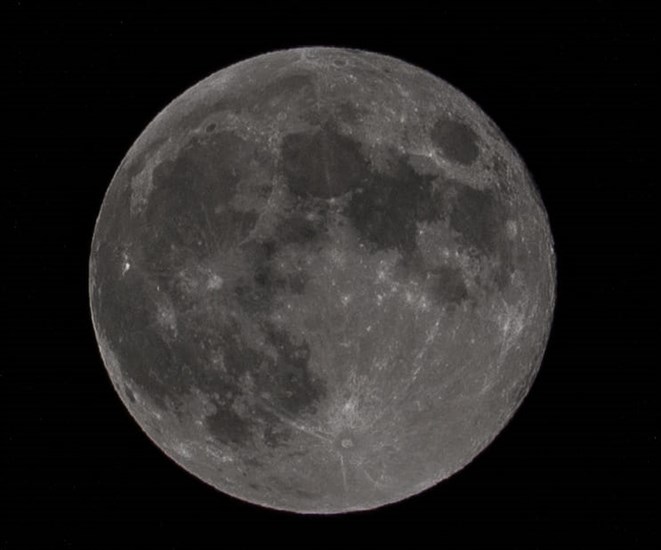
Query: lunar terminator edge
(322, 280)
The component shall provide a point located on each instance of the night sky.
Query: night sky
(574, 88)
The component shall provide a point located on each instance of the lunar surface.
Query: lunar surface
(322, 280)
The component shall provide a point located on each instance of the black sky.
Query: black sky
(575, 88)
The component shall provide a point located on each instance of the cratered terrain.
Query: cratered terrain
(322, 280)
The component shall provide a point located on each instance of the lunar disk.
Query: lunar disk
(322, 280)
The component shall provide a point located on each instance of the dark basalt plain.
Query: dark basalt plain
(321, 280)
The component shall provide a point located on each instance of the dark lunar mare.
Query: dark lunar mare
(178, 228)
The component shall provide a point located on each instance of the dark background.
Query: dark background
(574, 88)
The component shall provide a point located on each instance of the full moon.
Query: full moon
(322, 280)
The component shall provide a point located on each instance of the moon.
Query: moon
(322, 280)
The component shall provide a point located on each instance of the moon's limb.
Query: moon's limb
(322, 280)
